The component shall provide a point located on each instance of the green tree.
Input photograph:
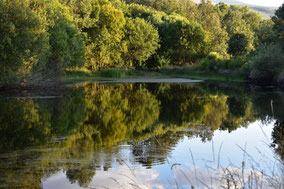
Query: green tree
(238, 45)
(23, 41)
(102, 26)
(147, 13)
(46, 39)
(234, 23)
(182, 41)
(222, 9)
(265, 33)
(65, 40)
(167, 6)
(67, 48)
(188, 9)
(209, 19)
(278, 20)
(252, 19)
(142, 41)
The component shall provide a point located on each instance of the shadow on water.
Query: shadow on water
(82, 130)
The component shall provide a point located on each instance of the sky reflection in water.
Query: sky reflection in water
(254, 139)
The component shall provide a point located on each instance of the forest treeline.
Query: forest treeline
(41, 39)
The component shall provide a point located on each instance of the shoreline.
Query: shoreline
(65, 83)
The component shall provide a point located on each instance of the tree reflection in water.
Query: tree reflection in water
(78, 132)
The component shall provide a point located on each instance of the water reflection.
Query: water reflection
(84, 131)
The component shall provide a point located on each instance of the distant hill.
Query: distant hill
(265, 12)
(229, 2)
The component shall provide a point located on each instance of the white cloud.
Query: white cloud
(122, 177)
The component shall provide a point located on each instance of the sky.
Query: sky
(270, 3)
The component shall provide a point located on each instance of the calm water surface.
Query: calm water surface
(140, 135)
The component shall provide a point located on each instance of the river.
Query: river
(142, 135)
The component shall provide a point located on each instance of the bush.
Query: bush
(212, 63)
(267, 64)
(214, 56)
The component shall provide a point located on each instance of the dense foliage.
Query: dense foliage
(41, 39)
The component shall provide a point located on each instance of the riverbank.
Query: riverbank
(168, 72)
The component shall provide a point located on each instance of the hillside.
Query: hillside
(265, 12)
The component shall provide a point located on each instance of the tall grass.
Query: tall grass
(250, 174)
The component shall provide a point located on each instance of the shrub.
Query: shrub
(268, 63)
(212, 63)
(214, 56)
(208, 64)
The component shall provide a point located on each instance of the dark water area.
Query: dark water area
(142, 135)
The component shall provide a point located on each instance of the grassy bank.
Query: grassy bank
(85, 75)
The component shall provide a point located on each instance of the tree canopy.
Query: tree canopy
(41, 39)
